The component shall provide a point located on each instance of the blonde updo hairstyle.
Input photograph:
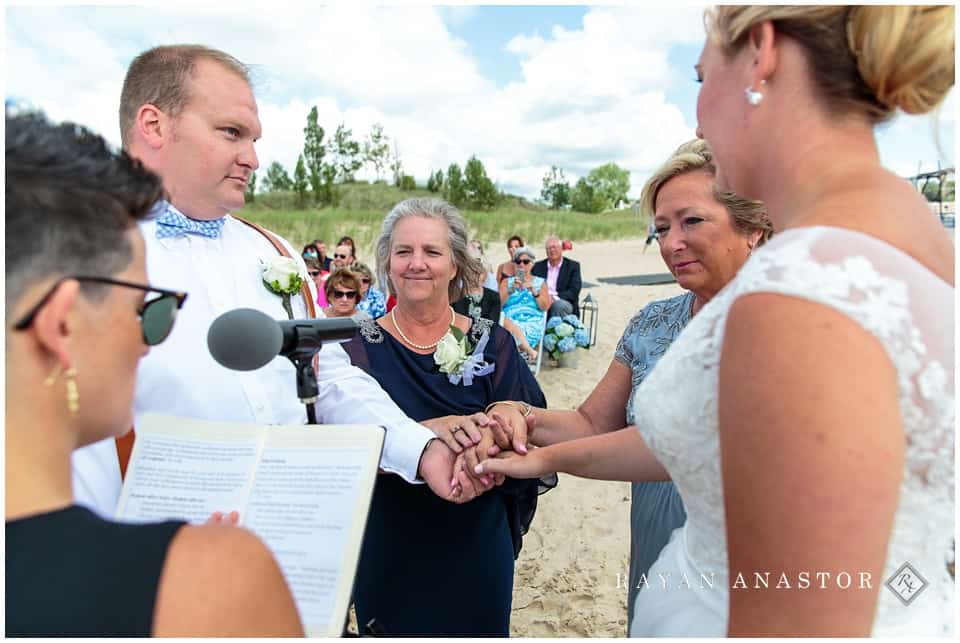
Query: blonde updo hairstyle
(747, 215)
(866, 59)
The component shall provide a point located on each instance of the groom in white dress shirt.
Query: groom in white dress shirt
(188, 113)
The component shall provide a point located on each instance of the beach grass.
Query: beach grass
(362, 208)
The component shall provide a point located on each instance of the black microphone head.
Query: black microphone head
(244, 339)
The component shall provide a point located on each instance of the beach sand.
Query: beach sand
(566, 577)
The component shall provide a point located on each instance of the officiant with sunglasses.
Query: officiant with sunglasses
(188, 113)
(81, 316)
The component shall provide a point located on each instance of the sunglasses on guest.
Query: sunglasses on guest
(525, 262)
(314, 273)
(156, 315)
(344, 294)
(339, 256)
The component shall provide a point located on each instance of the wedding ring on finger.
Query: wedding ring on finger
(454, 430)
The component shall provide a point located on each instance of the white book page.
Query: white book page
(309, 502)
(186, 469)
(304, 490)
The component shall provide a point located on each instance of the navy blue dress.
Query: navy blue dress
(430, 567)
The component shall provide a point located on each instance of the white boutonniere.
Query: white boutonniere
(282, 276)
(454, 357)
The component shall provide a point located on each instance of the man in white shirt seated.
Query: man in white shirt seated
(188, 113)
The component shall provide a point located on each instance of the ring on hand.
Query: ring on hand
(454, 430)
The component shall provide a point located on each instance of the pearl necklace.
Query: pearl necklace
(423, 347)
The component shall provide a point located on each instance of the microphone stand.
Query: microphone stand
(307, 389)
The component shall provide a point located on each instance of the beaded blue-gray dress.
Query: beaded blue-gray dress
(655, 508)
(430, 567)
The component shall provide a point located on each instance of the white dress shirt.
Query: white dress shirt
(179, 377)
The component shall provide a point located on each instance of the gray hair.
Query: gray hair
(523, 250)
(469, 269)
(552, 237)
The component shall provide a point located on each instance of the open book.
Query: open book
(304, 490)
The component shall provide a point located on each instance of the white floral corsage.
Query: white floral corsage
(282, 276)
(454, 357)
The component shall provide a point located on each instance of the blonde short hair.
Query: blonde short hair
(748, 216)
(866, 59)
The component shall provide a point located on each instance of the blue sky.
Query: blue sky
(522, 87)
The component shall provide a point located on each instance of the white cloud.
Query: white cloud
(586, 95)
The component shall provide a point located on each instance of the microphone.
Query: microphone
(246, 339)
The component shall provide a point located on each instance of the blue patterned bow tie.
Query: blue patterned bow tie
(172, 223)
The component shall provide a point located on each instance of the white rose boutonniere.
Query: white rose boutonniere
(282, 276)
(454, 358)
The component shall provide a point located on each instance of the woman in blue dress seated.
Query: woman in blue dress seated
(430, 567)
(524, 297)
(372, 301)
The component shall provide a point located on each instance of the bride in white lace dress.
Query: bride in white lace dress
(806, 414)
(823, 436)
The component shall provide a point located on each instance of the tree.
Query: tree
(431, 183)
(314, 151)
(438, 180)
(453, 190)
(396, 165)
(611, 182)
(250, 194)
(277, 179)
(478, 188)
(346, 153)
(376, 150)
(300, 182)
(408, 183)
(556, 189)
(585, 198)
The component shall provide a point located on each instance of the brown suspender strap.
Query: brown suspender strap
(124, 448)
(125, 442)
(304, 289)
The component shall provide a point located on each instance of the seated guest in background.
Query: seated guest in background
(506, 269)
(310, 251)
(343, 256)
(319, 277)
(563, 279)
(372, 301)
(433, 568)
(325, 261)
(525, 298)
(348, 241)
(489, 278)
(74, 269)
(343, 293)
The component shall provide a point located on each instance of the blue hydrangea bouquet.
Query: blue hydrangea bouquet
(564, 334)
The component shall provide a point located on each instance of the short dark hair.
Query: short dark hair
(514, 238)
(70, 202)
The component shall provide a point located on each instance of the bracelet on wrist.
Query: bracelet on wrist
(524, 408)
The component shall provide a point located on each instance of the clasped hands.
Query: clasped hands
(467, 441)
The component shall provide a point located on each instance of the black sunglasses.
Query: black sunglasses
(336, 256)
(156, 316)
(522, 261)
(314, 273)
(340, 294)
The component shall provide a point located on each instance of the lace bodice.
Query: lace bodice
(909, 310)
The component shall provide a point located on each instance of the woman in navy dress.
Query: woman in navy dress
(430, 567)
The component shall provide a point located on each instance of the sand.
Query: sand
(566, 582)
